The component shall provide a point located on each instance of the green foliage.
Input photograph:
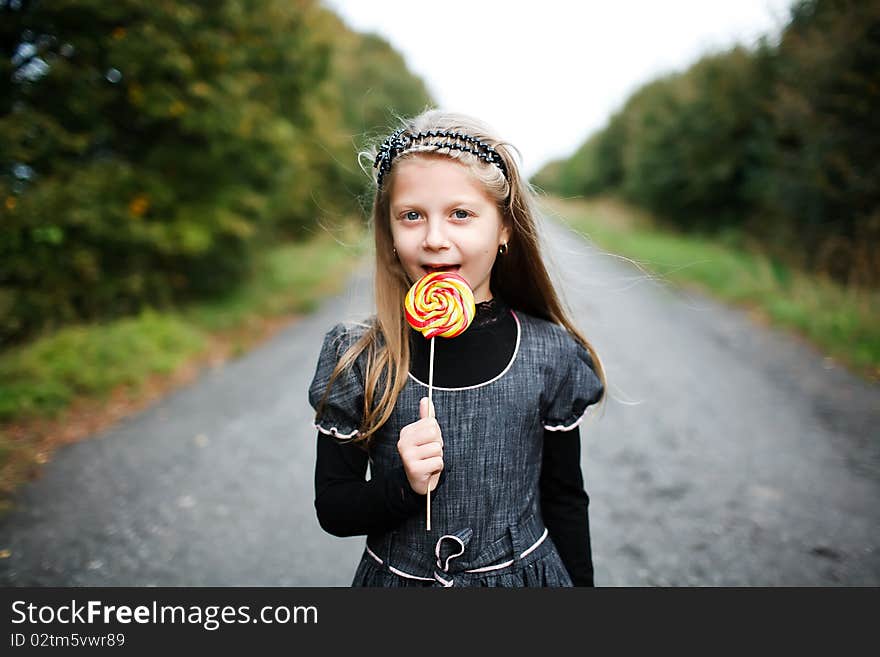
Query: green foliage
(376, 83)
(549, 177)
(822, 178)
(778, 144)
(289, 278)
(148, 149)
(89, 360)
(595, 167)
(372, 85)
(688, 147)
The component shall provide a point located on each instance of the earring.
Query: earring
(502, 249)
(394, 249)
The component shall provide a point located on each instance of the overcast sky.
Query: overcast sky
(548, 74)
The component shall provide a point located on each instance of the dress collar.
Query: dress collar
(489, 312)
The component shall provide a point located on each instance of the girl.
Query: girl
(509, 506)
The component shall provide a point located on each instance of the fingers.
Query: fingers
(421, 432)
(434, 465)
(433, 480)
(421, 449)
(426, 451)
(426, 408)
(414, 453)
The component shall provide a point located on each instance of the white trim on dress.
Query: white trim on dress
(495, 378)
(333, 431)
(396, 571)
(450, 582)
(445, 566)
(560, 427)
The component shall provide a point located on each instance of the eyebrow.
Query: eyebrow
(465, 201)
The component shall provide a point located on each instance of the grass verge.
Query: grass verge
(842, 323)
(79, 380)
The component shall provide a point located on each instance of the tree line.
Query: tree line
(774, 147)
(149, 149)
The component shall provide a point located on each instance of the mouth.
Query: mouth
(432, 268)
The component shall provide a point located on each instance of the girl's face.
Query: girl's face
(440, 215)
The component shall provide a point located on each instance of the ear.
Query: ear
(506, 231)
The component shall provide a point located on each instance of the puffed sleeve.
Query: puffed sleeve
(572, 390)
(343, 409)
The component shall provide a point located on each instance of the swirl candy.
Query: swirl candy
(440, 303)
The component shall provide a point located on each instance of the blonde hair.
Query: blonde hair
(519, 277)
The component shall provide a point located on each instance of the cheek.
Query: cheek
(487, 250)
(404, 247)
(478, 252)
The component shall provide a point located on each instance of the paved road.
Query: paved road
(727, 454)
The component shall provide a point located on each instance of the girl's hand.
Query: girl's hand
(421, 449)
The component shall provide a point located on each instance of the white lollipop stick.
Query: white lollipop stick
(430, 414)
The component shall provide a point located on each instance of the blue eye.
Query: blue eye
(406, 216)
(466, 214)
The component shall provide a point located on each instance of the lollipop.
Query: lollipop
(440, 303)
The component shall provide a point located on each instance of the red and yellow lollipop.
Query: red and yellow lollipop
(440, 303)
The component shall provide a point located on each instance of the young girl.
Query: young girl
(508, 507)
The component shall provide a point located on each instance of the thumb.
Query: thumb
(425, 406)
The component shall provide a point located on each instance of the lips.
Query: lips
(431, 268)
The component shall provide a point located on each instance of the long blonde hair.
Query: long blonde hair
(519, 277)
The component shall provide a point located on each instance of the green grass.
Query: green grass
(43, 377)
(290, 279)
(843, 323)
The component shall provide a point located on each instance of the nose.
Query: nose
(435, 237)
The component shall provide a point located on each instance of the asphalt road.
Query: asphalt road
(727, 454)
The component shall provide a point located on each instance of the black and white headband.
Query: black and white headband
(399, 142)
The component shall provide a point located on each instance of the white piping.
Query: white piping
(507, 563)
(396, 571)
(374, 555)
(445, 582)
(450, 582)
(403, 574)
(560, 427)
(485, 568)
(445, 567)
(536, 544)
(485, 383)
(334, 431)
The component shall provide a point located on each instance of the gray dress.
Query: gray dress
(486, 525)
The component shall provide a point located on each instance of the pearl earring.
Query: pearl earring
(502, 249)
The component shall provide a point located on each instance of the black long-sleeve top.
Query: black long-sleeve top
(349, 505)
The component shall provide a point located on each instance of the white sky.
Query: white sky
(547, 74)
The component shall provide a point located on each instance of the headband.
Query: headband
(398, 142)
